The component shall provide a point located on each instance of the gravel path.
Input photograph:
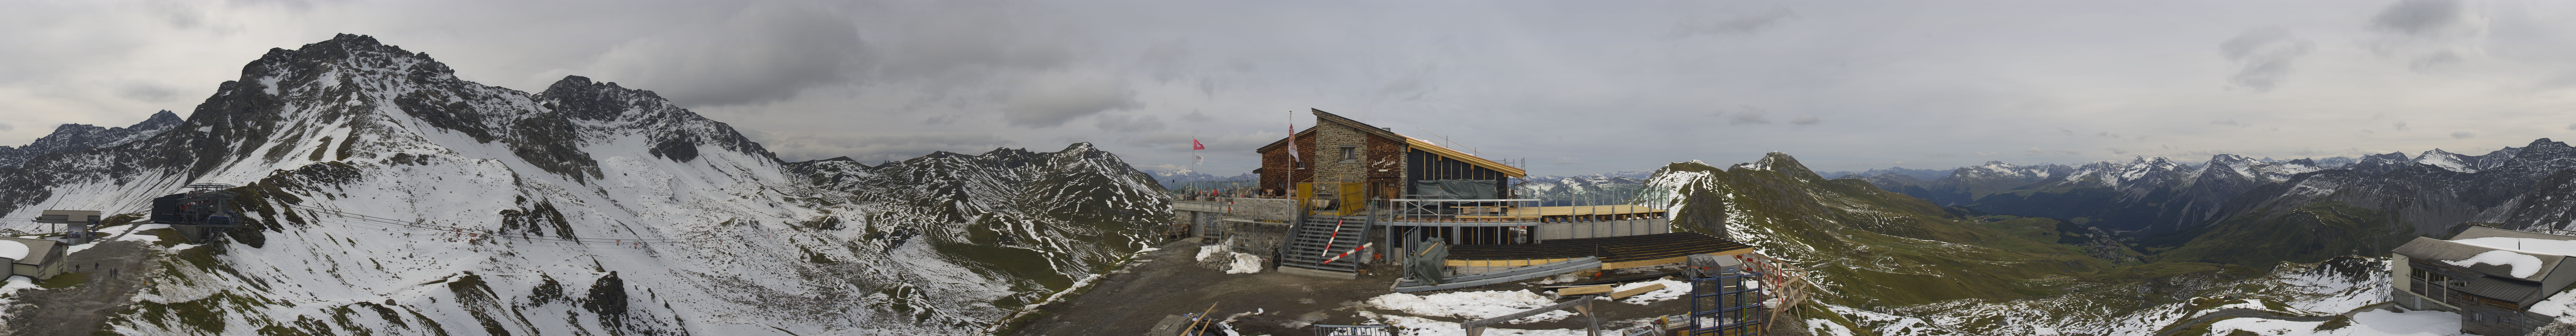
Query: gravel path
(1172, 284)
(80, 310)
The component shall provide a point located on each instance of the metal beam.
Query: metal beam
(1477, 327)
(1509, 275)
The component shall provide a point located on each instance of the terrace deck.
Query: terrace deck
(1615, 252)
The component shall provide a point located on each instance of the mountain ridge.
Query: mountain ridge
(584, 185)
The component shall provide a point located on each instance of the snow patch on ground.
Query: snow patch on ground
(1672, 290)
(1210, 250)
(1416, 326)
(9, 292)
(2368, 323)
(1827, 327)
(1245, 263)
(1471, 305)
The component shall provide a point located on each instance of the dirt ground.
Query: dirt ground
(81, 310)
(1171, 284)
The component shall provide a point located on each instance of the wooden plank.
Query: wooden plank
(1586, 290)
(1634, 291)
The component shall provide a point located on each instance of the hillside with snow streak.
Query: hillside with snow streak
(1890, 264)
(385, 196)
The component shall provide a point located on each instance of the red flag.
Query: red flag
(1195, 145)
(1292, 142)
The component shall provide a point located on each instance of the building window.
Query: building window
(1350, 153)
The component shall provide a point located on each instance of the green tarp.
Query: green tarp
(1459, 189)
(1427, 265)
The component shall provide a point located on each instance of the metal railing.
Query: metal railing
(1433, 210)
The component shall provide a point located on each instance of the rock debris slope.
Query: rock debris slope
(488, 210)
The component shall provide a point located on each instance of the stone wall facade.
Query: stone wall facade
(1330, 165)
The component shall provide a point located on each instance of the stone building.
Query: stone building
(1341, 150)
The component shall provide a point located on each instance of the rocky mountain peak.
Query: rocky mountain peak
(73, 137)
(1783, 163)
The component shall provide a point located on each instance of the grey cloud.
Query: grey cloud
(2399, 126)
(147, 92)
(2571, 127)
(2463, 135)
(1196, 117)
(1747, 118)
(2229, 122)
(2433, 60)
(2035, 151)
(1806, 120)
(2420, 17)
(2068, 132)
(1052, 99)
(7, 127)
(1564, 160)
(2263, 56)
(876, 148)
(1744, 22)
(1129, 123)
(762, 53)
(2116, 151)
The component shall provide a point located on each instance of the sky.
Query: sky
(1562, 87)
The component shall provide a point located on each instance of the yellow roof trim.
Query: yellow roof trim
(1462, 156)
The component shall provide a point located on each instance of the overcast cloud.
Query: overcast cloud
(1573, 87)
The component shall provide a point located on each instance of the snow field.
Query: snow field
(1471, 305)
(1417, 326)
(2368, 323)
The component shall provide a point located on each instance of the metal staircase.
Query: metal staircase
(1306, 251)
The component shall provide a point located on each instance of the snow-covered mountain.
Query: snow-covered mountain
(1580, 189)
(1186, 175)
(1965, 185)
(71, 137)
(570, 211)
(1920, 174)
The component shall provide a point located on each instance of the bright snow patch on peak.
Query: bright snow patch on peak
(2446, 161)
(2525, 245)
(2524, 265)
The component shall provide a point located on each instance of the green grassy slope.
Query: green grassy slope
(1889, 263)
(1870, 247)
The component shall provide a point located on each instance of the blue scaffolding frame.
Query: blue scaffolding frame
(1729, 304)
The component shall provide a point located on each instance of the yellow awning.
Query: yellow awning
(1427, 146)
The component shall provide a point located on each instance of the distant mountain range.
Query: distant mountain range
(72, 137)
(1186, 175)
